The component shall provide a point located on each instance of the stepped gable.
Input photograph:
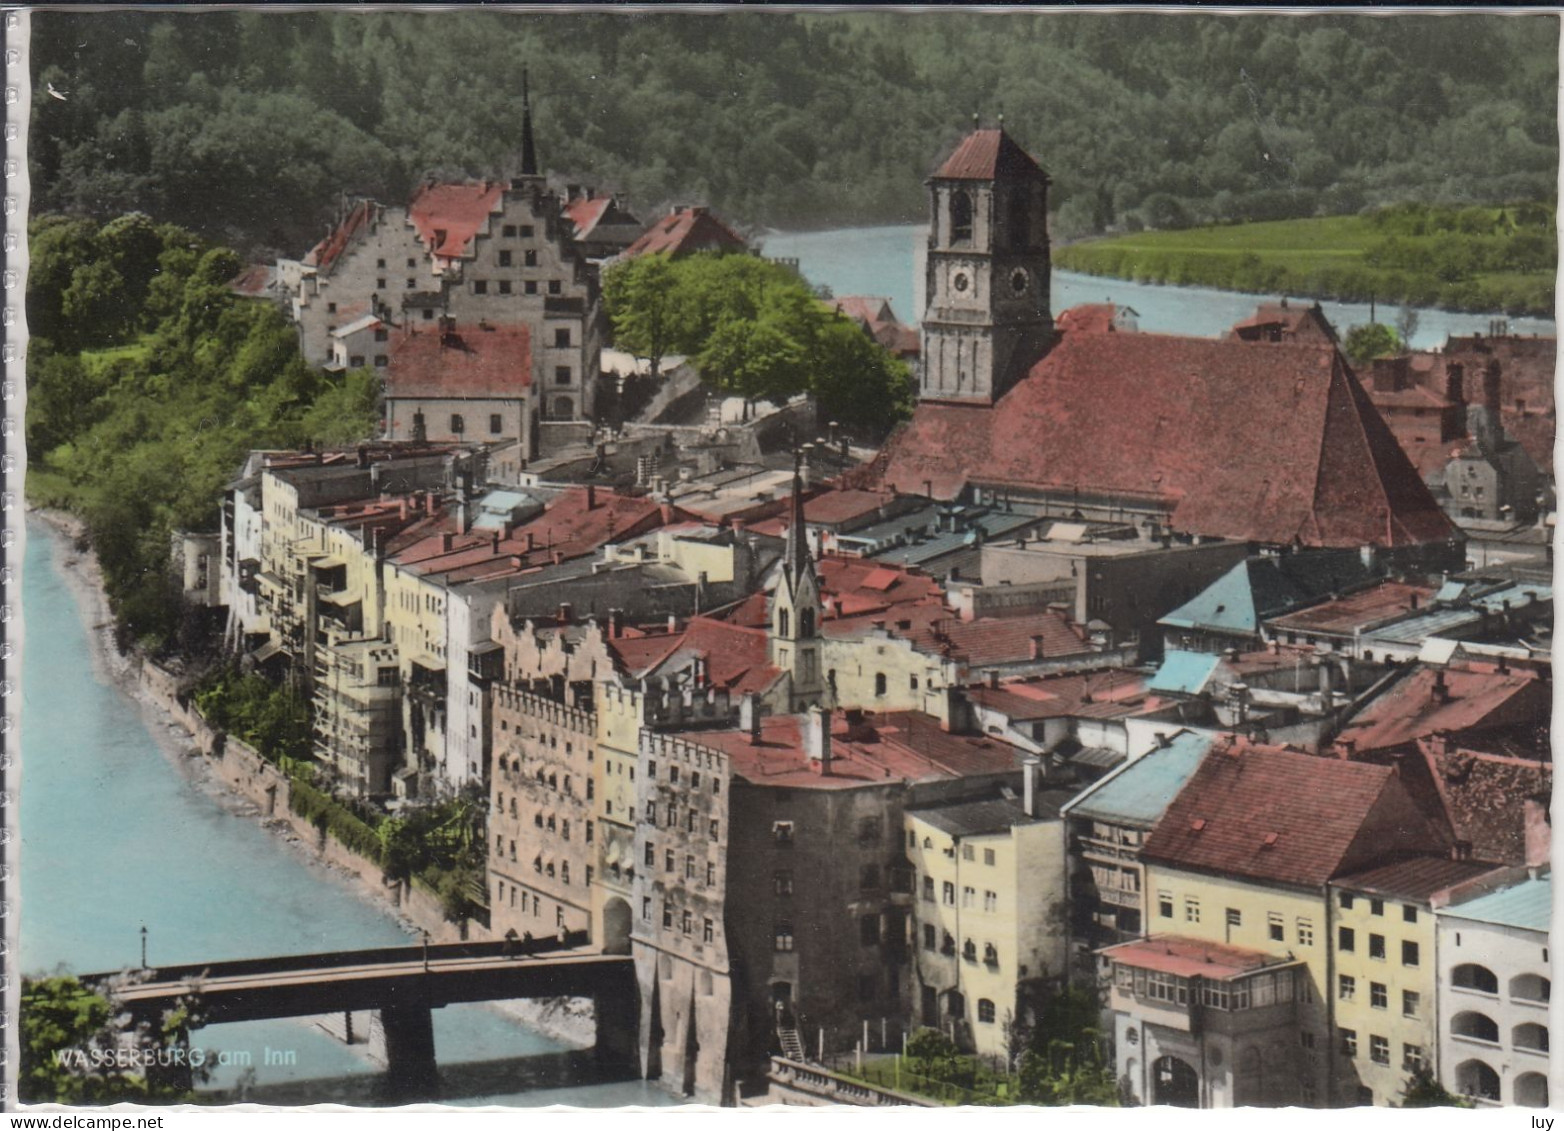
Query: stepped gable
(1266, 442)
(1273, 814)
(986, 155)
(324, 254)
(448, 216)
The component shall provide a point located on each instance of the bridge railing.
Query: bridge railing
(386, 955)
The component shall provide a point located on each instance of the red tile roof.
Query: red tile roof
(1356, 610)
(1272, 814)
(906, 746)
(460, 211)
(568, 529)
(253, 282)
(1414, 877)
(1186, 958)
(984, 155)
(324, 254)
(1483, 793)
(471, 361)
(1473, 699)
(1007, 640)
(584, 212)
(685, 232)
(1111, 693)
(736, 657)
(869, 309)
(1285, 320)
(1089, 318)
(1264, 442)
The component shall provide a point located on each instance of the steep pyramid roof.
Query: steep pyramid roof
(985, 155)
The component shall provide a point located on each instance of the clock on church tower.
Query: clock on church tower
(987, 319)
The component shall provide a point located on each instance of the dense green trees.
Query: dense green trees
(147, 384)
(756, 330)
(246, 125)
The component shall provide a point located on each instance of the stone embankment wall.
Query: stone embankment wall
(242, 770)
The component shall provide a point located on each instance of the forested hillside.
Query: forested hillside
(247, 125)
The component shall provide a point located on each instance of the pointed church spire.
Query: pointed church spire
(797, 557)
(529, 154)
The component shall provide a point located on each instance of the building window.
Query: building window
(480, 286)
(988, 857)
(526, 231)
(782, 883)
(949, 893)
(529, 258)
(668, 860)
(496, 423)
(1411, 1002)
(1305, 933)
(1235, 917)
(783, 933)
(686, 921)
(869, 930)
(1379, 996)
(968, 897)
(928, 889)
(1165, 904)
(668, 915)
(458, 425)
(1376, 907)
(1349, 1041)
(1346, 901)
(505, 259)
(651, 855)
(1412, 1058)
(331, 308)
(782, 832)
(708, 931)
(928, 936)
(689, 867)
(382, 334)
(562, 337)
(356, 361)
(505, 287)
(562, 375)
(1346, 939)
(1191, 909)
(990, 901)
(529, 287)
(960, 217)
(646, 908)
(879, 683)
(428, 314)
(1377, 947)
(1410, 953)
(380, 284)
(1408, 913)
(1346, 987)
(508, 231)
(968, 852)
(711, 872)
(554, 286)
(1274, 924)
(1379, 1050)
(985, 1011)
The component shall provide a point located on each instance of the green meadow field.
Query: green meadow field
(1481, 259)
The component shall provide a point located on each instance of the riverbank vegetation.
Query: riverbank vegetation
(757, 330)
(1472, 258)
(246, 126)
(147, 383)
(69, 1036)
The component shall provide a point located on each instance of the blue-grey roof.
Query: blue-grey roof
(1141, 790)
(1441, 619)
(1184, 672)
(1528, 905)
(938, 545)
(1227, 603)
(496, 508)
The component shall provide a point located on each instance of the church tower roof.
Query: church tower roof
(986, 155)
(796, 558)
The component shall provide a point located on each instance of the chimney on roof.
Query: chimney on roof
(402, 508)
(1029, 768)
(447, 540)
(559, 556)
(565, 616)
(431, 504)
(1539, 832)
(615, 623)
(993, 677)
(531, 541)
(1163, 740)
(1037, 648)
(749, 717)
(1441, 690)
(1327, 690)
(1461, 850)
(673, 624)
(591, 496)
(1348, 747)
(817, 739)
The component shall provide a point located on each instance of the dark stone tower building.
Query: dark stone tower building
(988, 318)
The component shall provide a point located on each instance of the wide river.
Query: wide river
(116, 837)
(884, 262)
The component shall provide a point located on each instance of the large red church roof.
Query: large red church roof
(1254, 441)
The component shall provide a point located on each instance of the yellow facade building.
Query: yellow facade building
(988, 923)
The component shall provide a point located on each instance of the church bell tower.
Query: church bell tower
(988, 319)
